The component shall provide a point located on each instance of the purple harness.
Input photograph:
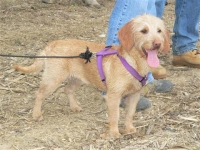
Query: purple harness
(130, 69)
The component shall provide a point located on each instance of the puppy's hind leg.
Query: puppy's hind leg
(70, 88)
(50, 82)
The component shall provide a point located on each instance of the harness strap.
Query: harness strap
(100, 56)
(130, 69)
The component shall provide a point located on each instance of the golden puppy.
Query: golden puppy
(140, 40)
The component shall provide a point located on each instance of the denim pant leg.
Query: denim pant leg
(160, 6)
(186, 26)
(124, 11)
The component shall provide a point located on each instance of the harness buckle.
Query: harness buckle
(143, 80)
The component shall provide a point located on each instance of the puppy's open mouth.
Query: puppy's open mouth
(152, 58)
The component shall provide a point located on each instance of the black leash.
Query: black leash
(86, 55)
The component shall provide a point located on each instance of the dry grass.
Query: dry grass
(26, 26)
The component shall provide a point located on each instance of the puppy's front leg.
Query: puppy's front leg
(113, 101)
(131, 103)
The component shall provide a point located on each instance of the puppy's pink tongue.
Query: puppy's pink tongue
(152, 58)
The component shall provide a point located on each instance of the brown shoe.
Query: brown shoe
(190, 59)
(159, 72)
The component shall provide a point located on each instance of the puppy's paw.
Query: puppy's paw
(114, 134)
(37, 115)
(76, 108)
(129, 130)
(110, 135)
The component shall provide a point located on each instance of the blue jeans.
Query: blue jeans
(186, 26)
(125, 10)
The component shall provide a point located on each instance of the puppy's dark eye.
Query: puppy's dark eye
(144, 31)
(159, 31)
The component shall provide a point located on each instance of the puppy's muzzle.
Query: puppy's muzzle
(156, 45)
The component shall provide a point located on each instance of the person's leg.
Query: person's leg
(186, 33)
(186, 26)
(159, 72)
(160, 6)
(124, 11)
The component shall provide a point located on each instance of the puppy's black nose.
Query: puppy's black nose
(156, 45)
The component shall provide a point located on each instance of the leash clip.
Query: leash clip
(94, 55)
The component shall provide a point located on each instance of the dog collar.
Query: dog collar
(130, 69)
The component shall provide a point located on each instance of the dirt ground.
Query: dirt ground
(25, 28)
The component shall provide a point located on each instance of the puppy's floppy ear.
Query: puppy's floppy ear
(125, 35)
(166, 41)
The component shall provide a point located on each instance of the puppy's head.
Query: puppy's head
(145, 33)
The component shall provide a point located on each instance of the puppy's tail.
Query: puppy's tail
(36, 67)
